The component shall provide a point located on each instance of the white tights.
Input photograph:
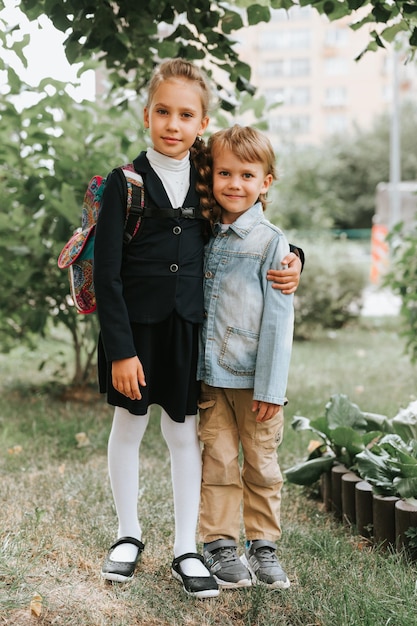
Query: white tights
(123, 461)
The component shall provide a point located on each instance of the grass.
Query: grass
(57, 518)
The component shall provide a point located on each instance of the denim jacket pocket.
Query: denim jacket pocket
(238, 351)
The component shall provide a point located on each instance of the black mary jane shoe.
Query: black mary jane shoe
(197, 586)
(121, 571)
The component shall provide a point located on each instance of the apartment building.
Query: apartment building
(306, 64)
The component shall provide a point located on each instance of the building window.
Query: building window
(300, 95)
(336, 66)
(285, 67)
(335, 96)
(275, 96)
(293, 14)
(386, 93)
(279, 15)
(296, 124)
(336, 124)
(300, 13)
(272, 69)
(288, 95)
(268, 40)
(299, 67)
(284, 40)
(336, 37)
(300, 39)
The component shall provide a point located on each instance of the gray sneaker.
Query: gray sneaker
(261, 560)
(224, 564)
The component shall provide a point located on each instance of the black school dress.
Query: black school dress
(150, 297)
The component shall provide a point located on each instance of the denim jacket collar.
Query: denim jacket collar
(245, 223)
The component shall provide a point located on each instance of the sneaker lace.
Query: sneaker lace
(266, 556)
(228, 554)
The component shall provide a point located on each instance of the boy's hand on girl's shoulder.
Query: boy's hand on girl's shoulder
(265, 410)
(127, 375)
(286, 280)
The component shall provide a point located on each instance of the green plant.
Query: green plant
(345, 431)
(390, 466)
(122, 38)
(411, 534)
(330, 291)
(404, 423)
(402, 280)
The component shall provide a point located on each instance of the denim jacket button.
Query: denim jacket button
(208, 274)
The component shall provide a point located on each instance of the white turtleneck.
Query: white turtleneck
(174, 173)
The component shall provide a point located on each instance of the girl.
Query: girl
(150, 306)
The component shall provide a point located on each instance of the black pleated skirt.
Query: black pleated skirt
(168, 352)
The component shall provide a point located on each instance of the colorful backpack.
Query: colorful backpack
(78, 253)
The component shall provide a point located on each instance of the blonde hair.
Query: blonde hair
(247, 144)
(180, 68)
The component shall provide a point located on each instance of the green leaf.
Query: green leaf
(376, 421)
(317, 426)
(231, 21)
(72, 50)
(340, 411)
(257, 13)
(168, 49)
(244, 85)
(14, 81)
(375, 468)
(282, 4)
(365, 20)
(398, 449)
(59, 17)
(406, 470)
(381, 13)
(328, 7)
(348, 438)
(228, 105)
(356, 4)
(391, 32)
(409, 8)
(406, 487)
(308, 472)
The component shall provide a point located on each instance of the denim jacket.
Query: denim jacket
(246, 337)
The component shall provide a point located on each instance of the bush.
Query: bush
(330, 291)
(402, 280)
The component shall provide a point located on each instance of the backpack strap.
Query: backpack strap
(135, 204)
(136, 209)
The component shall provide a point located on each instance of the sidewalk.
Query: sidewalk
(380, 302)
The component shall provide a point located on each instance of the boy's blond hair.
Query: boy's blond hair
(247, 144)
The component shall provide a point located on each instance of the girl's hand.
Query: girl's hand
(288, 279)
(265, 410)
(127, 375)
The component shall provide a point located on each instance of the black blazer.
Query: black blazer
(160, 271)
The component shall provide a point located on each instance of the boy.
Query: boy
(245, 351)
